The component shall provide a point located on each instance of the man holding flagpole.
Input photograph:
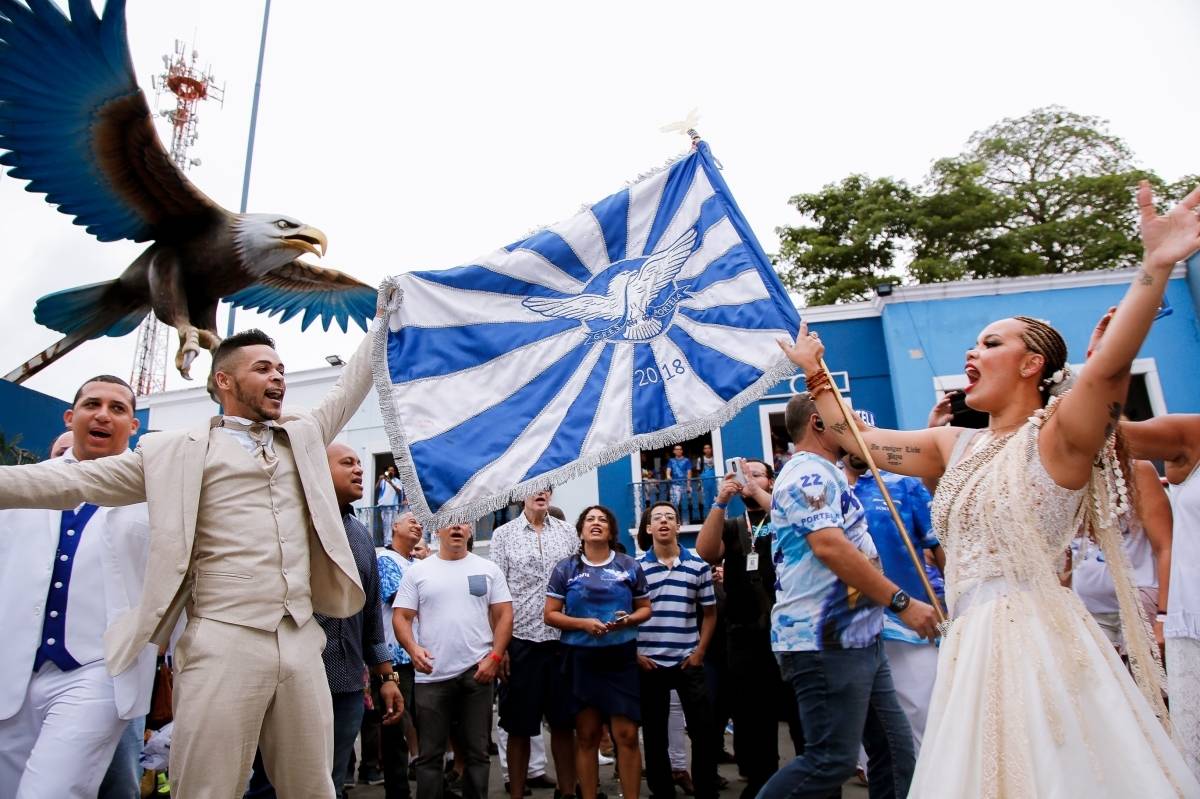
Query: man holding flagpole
(825, 627)
(912, 659)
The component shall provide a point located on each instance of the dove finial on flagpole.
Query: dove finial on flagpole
(686, 126)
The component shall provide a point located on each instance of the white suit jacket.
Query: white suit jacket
(166, 472)
(28, 542)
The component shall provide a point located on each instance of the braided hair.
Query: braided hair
(1039, 337)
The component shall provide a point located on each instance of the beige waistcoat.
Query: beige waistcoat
(250, 559)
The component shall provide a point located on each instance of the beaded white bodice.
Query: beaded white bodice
(1006, 527)
(978, 515)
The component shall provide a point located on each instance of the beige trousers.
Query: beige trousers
(238, 689)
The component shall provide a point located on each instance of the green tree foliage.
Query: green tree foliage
(12, 453)
(1049, 192)
(861, 231)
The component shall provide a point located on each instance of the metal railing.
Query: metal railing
(693, 497)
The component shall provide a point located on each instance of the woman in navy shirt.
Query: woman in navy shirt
(597, 598)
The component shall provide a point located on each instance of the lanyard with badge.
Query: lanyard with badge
(755, 533)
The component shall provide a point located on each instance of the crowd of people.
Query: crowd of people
(234, 549)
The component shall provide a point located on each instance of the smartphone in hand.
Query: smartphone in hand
(734, 466)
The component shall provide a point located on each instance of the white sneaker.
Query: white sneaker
(605, 760)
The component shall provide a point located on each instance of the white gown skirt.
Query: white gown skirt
(1017, 713)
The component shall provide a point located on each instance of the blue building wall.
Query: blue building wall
(36, 417)
(857, 346)
(945, 329)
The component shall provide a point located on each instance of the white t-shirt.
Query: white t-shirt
(1092, 580)
(387, 493)
(452, 599)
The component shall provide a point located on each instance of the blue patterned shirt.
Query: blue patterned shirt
(678, 469)
(912, 503)
(391, 571)
(814, 609)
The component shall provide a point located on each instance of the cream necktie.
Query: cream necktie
(258, 434)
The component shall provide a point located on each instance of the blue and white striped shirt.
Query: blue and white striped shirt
(676, 594)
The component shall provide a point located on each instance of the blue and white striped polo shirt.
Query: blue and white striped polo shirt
(676, 594)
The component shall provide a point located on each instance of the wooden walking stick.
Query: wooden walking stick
(918, 562)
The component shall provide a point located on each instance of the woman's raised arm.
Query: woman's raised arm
(1092, 409)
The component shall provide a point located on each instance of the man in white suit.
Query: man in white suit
(247, 536)
(64, 576)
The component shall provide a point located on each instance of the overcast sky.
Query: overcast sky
(418, 136)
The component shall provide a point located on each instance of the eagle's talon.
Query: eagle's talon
(189, 348)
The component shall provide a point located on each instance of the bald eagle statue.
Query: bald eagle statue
(76, 126)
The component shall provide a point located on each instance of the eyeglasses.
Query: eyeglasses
(662, 517)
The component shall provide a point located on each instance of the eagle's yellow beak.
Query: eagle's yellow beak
(308, 239)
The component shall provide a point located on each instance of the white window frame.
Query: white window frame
(764, 426)
(635, 471)
(841, 379)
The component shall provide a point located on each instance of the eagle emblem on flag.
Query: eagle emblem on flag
(648, 318)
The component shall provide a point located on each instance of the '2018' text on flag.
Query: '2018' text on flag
(648, 318)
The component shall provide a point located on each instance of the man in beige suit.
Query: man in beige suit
(246, 535)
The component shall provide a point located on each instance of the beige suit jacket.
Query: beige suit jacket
(166, 472)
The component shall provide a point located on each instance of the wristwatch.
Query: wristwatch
(899, 602)
(391, 676)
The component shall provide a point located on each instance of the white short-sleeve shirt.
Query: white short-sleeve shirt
(453, 599)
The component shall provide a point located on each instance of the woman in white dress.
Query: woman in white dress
(1031, 700)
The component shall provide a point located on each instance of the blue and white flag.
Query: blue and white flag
(648, 318)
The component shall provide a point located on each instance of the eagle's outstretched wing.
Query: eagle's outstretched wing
(659, 269)
(78, 128)
(584, 307)
(325, 294)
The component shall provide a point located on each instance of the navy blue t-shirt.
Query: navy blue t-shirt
(598, 591)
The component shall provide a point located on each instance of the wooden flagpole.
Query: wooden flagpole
(918, 562)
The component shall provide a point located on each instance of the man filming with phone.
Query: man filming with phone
(743, 542)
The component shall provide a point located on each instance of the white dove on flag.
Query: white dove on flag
(633, 285)
(647, 318)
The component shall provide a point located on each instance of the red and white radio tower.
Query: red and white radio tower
(189, 85)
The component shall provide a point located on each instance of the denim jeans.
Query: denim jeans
(466, 705)
(123, 780)
(845, 696)
(348, 711)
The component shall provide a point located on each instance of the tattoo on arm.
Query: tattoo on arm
(1145, 278)
(894, 456)
(839, 428)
